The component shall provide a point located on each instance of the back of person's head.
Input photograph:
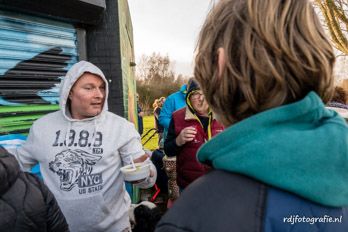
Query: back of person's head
(155, 104)
(275, 53)
(340, 95)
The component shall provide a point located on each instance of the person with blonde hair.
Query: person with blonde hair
(162, 100)
(155, 103)
(266, 70)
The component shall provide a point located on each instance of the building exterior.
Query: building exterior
(40, 40)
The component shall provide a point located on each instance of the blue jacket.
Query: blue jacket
(173, 102)
(284, 169)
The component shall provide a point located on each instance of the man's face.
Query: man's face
(198, 102)
(87, 96)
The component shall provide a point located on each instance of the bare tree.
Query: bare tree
(156, 78)
(335, 14)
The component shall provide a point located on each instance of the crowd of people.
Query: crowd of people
(256, 144)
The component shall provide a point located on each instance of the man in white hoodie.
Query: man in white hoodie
(81, 149)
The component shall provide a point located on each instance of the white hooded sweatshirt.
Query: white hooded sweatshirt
(80, 160)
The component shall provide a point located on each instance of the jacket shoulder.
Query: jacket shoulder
(289, 212)
(117, 120)
(179, 112)
(217, 201)
(221, 200)
(49, 118)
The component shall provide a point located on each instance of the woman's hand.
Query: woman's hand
(186, 135)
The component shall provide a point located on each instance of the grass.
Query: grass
(149, 123)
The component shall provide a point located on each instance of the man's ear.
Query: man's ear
(70, 93)
(221, 61)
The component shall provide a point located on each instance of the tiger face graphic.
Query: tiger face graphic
(70, 164)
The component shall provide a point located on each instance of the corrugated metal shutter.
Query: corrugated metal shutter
(35, 54)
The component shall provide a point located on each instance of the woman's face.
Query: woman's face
(198, 102)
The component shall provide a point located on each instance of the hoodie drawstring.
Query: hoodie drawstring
(66, 140)
(95, 129)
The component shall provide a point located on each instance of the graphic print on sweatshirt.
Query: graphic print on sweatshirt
(75, 166)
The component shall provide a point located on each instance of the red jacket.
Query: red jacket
(187, 167)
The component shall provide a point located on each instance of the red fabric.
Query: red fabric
(187, 167)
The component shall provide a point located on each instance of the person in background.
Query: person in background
(26, 204)
(162, 99)
(338, 102)
(81, 149)
(266, 70)
(140, 117)
(339, 99)
(157, 106)
(189, 129)
(172, 103)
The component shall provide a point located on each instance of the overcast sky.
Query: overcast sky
(169, 27)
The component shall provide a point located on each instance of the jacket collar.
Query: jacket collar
(190, 116)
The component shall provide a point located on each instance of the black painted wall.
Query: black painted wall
(75, 11)
(103, 50)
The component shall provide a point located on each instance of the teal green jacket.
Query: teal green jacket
(300, 147)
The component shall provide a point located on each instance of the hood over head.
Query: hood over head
(191, 87)
(300, 147)
(74, 73)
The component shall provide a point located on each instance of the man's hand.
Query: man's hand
(186, 135)
(140, 160)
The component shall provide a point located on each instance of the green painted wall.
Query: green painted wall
(127, 58)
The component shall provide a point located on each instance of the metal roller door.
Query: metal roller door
(35, 54)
